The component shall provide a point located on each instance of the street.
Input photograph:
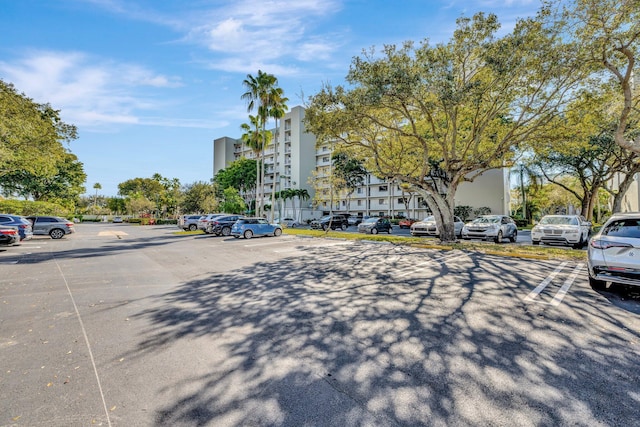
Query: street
(120, 325)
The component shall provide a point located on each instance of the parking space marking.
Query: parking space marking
(567, 284)
(112, 233)
(534, 293)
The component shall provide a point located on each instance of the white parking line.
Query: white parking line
(567, 284)
(533, 294)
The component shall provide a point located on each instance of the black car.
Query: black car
(375, 225)
(333, 221)
(8, 235)
(221, 226)
(25, 228)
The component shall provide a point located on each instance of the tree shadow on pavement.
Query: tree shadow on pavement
(346, 338)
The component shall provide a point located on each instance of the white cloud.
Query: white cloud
(88, 90)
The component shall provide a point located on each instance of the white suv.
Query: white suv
(613, 255)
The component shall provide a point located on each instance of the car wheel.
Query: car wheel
(498, 238)
(226, 231)
(293, 225)
(277, 232)
(597, 285)
(248, 234)
(514, 236)
(325, 227)
(193, 227)
(374, 231)
(56, 233)
(344, 227)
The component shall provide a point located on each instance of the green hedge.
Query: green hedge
(30, 207)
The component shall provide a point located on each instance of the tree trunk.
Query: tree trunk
(623, 187)
(442, 208)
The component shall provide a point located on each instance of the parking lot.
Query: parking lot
(136, 326)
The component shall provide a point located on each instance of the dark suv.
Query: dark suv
(221, 226)
(333, 221)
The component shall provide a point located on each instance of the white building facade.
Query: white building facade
(293, 161)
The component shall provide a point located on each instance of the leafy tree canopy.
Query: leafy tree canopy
(434, 116)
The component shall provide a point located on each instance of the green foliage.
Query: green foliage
(29, 207)
(233, 202)
(33, 161)
(463, 211)
(434, 116)
(66, 181)
(199, 197)
(240, 174)
(484, 210)
(116, 204)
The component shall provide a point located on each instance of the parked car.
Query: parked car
(613, 254)
(54, 226)
(189, 222)
(289, 222)
(8, 235)
(356, 219)
(203, 222)
(494, 227)
(428, 227)
(250, 227)
(25, 227)
(406, 222)
(221, 225)
(333, 221)
(570, 230)
(375, 225)
(117, 219)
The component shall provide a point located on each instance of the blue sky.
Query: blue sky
(151, 83)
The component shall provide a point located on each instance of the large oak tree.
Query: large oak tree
(434, 116)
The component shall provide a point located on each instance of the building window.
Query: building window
(359, 190)
(359, 202)
(382, 201)
(325, 159)
(402, 200)
(344, 203)
(383, 188)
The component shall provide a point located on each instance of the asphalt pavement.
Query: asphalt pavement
(122, 325)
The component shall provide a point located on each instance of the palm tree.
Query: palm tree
(285, 195)
(259, 91)
(301, 194)
(253, 139)
(97, 187)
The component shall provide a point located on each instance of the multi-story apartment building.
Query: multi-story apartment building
(294, 161)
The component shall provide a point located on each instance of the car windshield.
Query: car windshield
(559, 220)
(370, 220)
(487, 220)
(325, 218)
(429, 218)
